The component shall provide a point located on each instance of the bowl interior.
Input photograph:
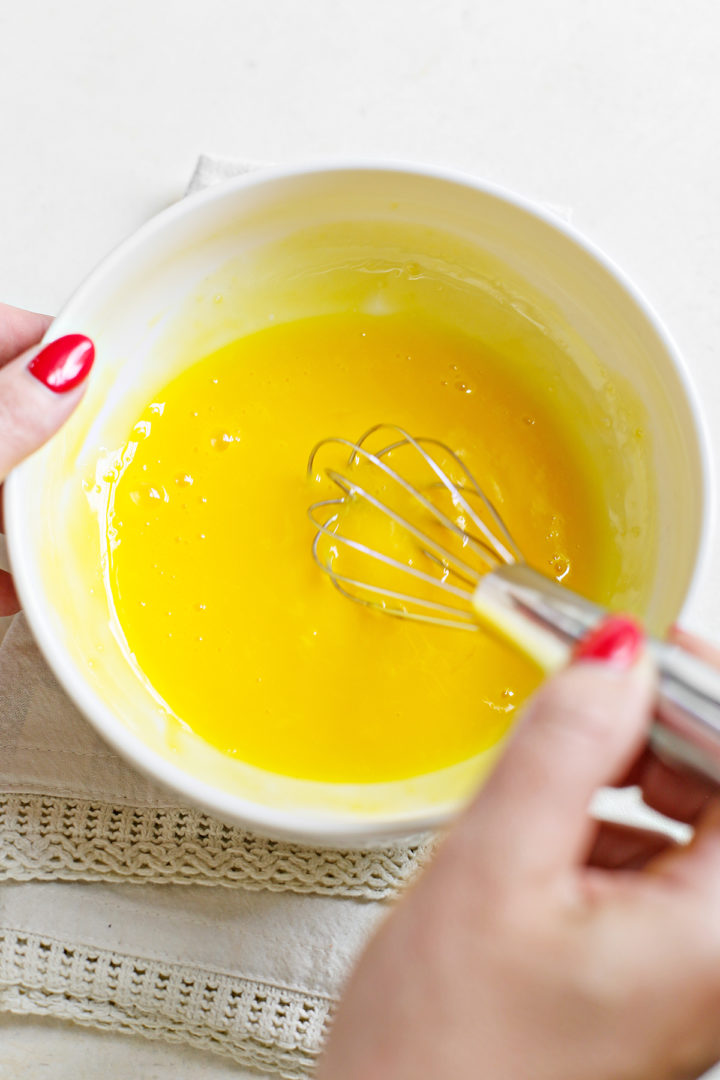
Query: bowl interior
(278, 246)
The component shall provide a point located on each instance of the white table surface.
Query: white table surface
(609, 109)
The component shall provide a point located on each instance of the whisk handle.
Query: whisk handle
(543, 619)
(686, 728)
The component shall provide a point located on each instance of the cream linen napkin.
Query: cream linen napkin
(105, 913)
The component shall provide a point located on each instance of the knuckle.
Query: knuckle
(11, 433)
(571, 708)
(23, 423)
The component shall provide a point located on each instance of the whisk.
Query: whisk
(411, 533)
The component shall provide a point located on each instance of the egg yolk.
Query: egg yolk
(210, 567)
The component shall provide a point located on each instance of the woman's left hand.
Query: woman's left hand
(39, 389)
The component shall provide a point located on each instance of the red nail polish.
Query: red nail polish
(617, 640)
(64, 363)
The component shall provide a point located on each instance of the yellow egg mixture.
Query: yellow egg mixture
(212, 578)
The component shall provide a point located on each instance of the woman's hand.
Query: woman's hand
(539, 945)
(38, 391)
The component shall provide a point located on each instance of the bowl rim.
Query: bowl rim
(288, 824)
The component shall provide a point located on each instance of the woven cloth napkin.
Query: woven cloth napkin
(122, 908)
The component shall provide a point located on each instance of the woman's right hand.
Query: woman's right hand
(538, 944)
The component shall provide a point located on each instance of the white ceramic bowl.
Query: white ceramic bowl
(241, 239)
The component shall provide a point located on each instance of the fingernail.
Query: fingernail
(617, 640)
(64, 363)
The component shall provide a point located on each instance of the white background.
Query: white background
(608, 108)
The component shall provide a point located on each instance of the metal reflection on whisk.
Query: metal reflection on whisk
(442, 591)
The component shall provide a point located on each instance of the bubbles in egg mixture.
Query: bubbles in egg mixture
(213, 581)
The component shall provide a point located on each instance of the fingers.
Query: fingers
(621, 847)
(38, 392)
(582, 729)
(9, 603)
(19, 330)
(697, 865)
(695, 645)
(677, 793)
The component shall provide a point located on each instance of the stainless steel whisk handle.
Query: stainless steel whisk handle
(686, 728)
(544, 619)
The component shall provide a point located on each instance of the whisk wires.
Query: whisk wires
(410, 532)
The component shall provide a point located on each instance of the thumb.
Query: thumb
(581, 730)
(38, 392)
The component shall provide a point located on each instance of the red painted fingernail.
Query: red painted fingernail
(617, 640)
(64, 363)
